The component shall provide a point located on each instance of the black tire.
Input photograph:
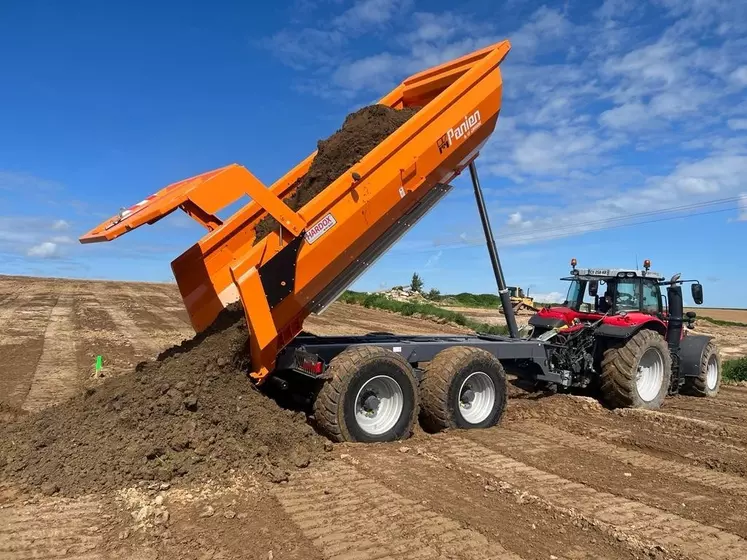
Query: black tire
(698, 386)
(442, 382)
(620, 368)
(335, 404)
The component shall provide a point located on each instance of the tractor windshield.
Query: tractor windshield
(628, 295)
(575, 295)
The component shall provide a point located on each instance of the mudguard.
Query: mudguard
(691, 353)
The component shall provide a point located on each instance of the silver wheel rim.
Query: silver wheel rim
(712, 373)
(650, 374)
(476, 397)
(379, 405)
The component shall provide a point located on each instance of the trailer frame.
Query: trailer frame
(308, 354)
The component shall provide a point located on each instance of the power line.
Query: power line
(584, 227)
(571, 232)
(685, 207)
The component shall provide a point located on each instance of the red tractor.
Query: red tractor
(629, 342)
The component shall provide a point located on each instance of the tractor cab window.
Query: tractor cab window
(575, 295)
(651, 297)
(628, 295)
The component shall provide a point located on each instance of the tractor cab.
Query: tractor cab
(596, 292)
(617, 298)
(612, 291)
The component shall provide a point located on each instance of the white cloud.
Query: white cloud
(737, 124)
(60, 225)
(743, 207)
(44, 250)
(615, 9)
(551, 297)
(600, 114)
(715, 177)
(367, 73)
(544, 26)
(14, 180)
(366, 13)
(628, 116)
(321, 47)
(514, 219)
(62, 239)
(739, 76)
(306, 48)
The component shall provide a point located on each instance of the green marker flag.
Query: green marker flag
(99, 364)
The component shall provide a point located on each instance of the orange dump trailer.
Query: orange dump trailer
(316, 252)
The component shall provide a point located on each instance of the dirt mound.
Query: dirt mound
(544, 406)
(361, 132)
(192, 413)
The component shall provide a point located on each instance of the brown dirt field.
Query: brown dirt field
(735, 315)
(561, 477)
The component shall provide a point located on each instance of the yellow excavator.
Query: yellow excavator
(519, 300)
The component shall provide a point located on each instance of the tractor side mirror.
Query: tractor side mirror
(593, 288)
(697, 293)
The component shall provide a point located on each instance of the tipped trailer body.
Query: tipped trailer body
(368, 388)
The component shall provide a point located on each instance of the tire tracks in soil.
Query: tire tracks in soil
(733, 392)
(688, 499)
(22, 338)
(143, 344)
(100, 336)
(712, 452)
(53, 529)
(728, 432)
(732, 403)
(163, 326)
(736, 430)
(56, 375)
(711, 411)
(349, 516)
(624, 518)
(526, 529)
(717, 480)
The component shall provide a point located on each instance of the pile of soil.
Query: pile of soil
(192, 413)
(361, 132)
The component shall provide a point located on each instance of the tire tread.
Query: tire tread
(328, 404)
(619, 366)
(434, 388)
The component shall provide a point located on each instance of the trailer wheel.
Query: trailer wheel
(463, 387)
(637, 373)
(371, 396)
(708, 381)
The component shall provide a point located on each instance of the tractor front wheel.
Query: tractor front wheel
(708, 381)
(636, 373)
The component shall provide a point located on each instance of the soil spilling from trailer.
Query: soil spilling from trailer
(361, 132)
(192, 413)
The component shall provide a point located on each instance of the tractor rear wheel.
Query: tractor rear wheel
(462, 387)
(372, 396)
(636, 373)
(708, 381)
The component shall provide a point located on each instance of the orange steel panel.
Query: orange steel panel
(460, 102)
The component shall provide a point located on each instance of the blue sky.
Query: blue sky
(614, 113)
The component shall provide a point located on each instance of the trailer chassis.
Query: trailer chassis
(308, 355)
